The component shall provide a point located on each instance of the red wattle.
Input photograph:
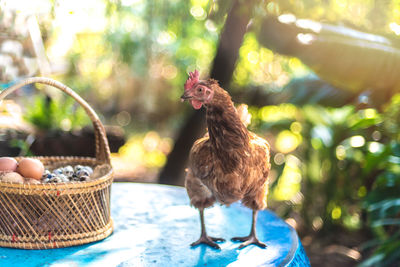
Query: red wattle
(196, 104)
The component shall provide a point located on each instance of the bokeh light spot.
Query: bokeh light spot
(123, 118)
(340, 152)
(296, 127)
(253, 57)
(286, 141)
(375, 147)
(317, 223)
(198, 12)
(336, 213)
(306, 38)
(357, 141)
(279, 158)
(376, 135)
(362, 191)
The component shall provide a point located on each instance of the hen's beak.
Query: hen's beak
(185, 96)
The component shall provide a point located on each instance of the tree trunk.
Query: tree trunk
(222, 70)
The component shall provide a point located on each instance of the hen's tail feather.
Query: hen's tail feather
(244, 114)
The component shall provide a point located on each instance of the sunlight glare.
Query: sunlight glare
(306, 38)
(287, 141)
(198, 13)
(357, 141)
(375, 147)
(309, 25)
(395, 28)
(287, 18)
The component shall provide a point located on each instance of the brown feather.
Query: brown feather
(229, 163)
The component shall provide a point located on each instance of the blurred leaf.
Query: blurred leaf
(384, 222)
(364, 123)
(48, 114)
(317, 115)
(372, 160)
(323, 133)
(388, 179)
(373, 260)
(218, 10)
(385, 204)
(396, 149)
(312, 90)
(23, 146)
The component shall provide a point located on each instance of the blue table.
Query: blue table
(154, 226)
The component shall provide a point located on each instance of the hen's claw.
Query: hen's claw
(208, 240)
(248, 240)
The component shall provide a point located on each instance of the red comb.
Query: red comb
(192, 80)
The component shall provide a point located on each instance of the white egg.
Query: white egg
(12, 177)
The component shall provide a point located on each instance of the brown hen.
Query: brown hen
(229, 163)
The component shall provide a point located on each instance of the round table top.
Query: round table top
(154, 225)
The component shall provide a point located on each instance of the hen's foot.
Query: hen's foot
(208, 240)
(248, 240)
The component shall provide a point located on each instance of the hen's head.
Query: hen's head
(198, 92)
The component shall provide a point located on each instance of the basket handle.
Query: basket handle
(102, 148)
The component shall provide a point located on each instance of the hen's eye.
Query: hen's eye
(200, 89)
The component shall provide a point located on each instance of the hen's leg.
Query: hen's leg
(204, 238)
(252, 237)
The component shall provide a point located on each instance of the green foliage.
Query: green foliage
(142, 33)
(347, 164)
(23, 146)
(141, 60)
(347, 160)
(383, 201)
(47, 114)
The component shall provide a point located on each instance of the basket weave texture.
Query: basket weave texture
(43, 216)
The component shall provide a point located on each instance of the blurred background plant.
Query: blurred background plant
(48, 115)
(336, 141)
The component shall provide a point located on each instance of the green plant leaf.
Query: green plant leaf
(386, 204)
(384, 222)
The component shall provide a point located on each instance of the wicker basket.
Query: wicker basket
(42, 216)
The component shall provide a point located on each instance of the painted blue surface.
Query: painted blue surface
(154, 226)
(6, 85)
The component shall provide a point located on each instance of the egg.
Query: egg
(30, 168)
(31, 181)
(8, 164)
(12, 177)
